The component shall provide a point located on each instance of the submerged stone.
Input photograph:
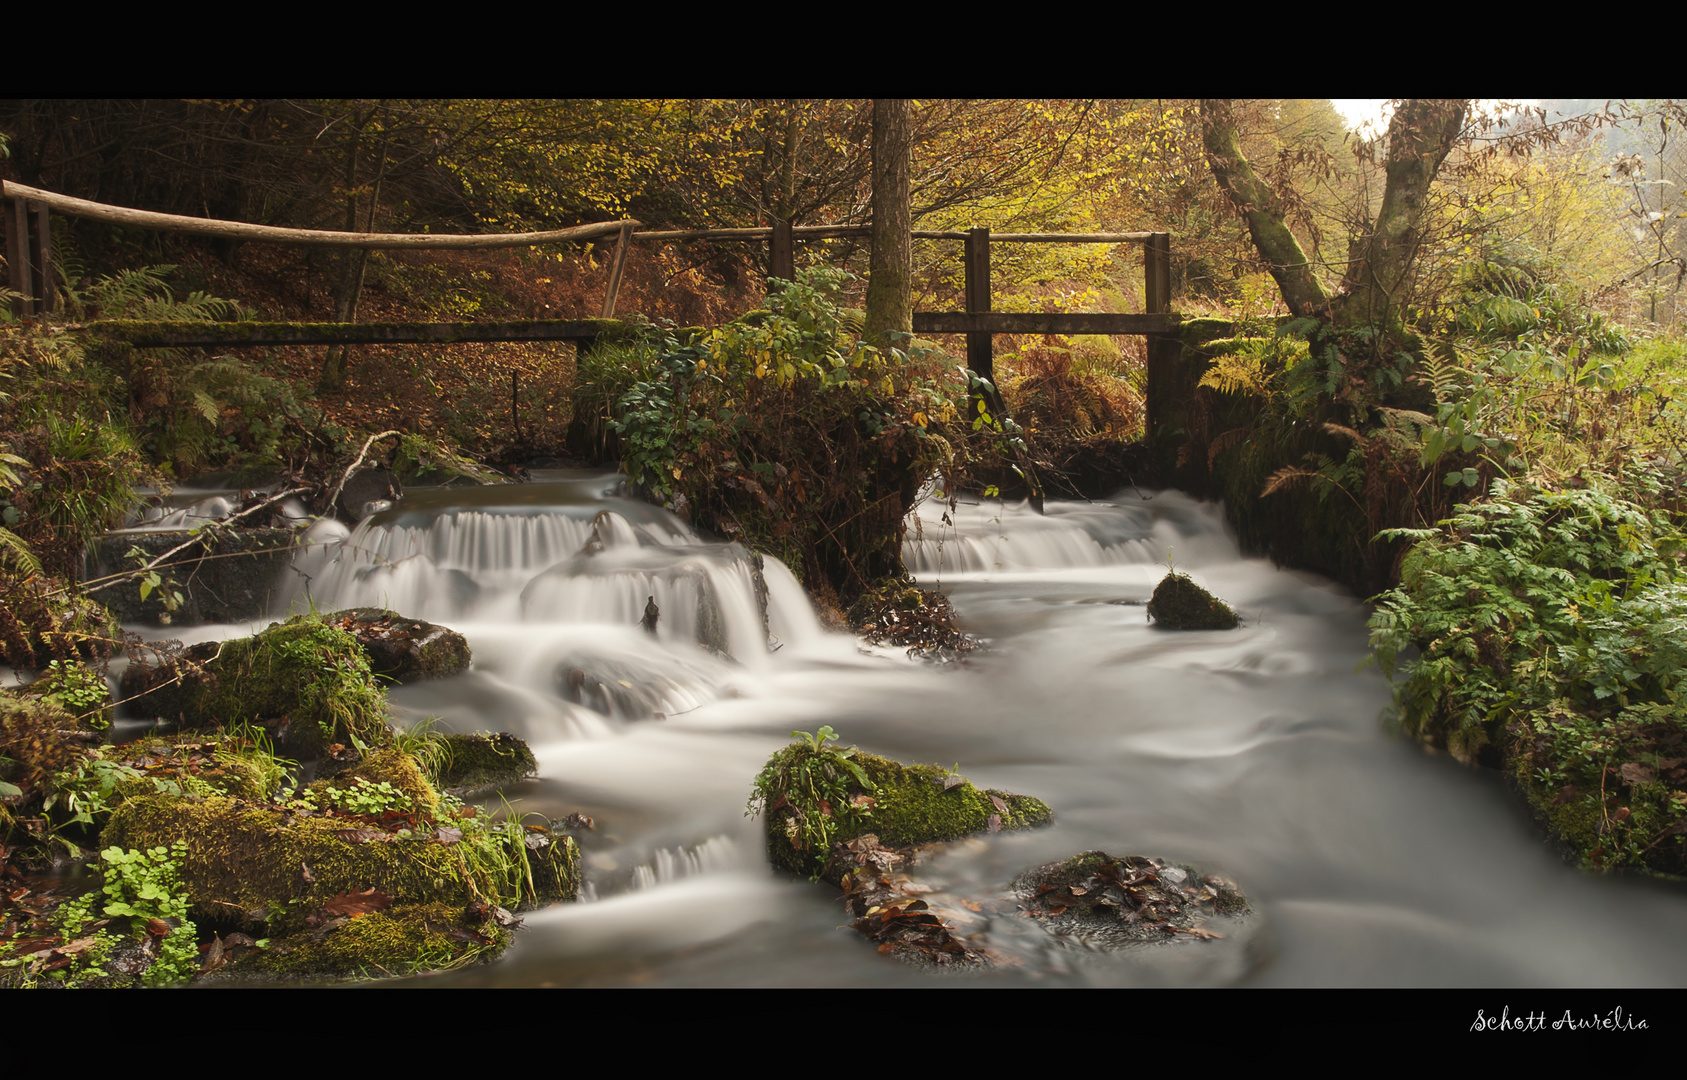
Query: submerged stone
(1180, 604)
(1110, 902)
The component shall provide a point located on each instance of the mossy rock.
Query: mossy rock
(231, 575)
(910, 805)
(404, 939)
(1180, 604)
(393, 767)
(478, 761)
(255, 865)
(200, 766)
(405, 650)
(308, 678)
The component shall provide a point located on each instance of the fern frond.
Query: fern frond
(17, 554)
(1224, 441)
(1289, 476)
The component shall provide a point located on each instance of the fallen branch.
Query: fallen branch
(89, 588)
(334, 497)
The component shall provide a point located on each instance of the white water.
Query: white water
(1255, 752)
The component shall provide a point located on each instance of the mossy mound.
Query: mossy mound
(478, 761)
(1180, 604)
(401, 773)
(402, 940)
(309, 679)
(1113, 902)
(814, 801)
(198, 765)
(257, 865)
(405, 650)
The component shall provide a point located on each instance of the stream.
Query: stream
(1256, 753)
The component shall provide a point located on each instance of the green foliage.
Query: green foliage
(785, 431)
(1550, 626)
(814, 781)
(362, 797)
(80, 689)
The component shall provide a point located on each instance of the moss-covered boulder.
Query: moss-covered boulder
(272, 866)
(309, 680)
(402, 939)
(479, 761)
(816, 799)
(195, 765)
(405, 650)
(1180, 604)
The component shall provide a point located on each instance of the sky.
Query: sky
(1361, 111)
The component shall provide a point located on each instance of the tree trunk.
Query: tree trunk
(1375, 290)
(1263, 209)
(890, 279)
(1420, 134)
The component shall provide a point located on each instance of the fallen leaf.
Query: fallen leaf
(953, 780)
(1636, 773)
(448, 834)
(995, 823)
(996, 801)
(158, 928)
(353, 904)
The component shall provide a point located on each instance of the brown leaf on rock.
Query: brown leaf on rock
(353, 904)
(447, 834)
(158, 928)
(953, 780)
(994, 821)
(996, 801)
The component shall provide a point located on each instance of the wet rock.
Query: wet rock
(405, 650)
(275, 867)
(861, 794)
(309, 680)
(366, 486)
(231, 575)
(1114, 902)
(1180, 604)
(479, 761)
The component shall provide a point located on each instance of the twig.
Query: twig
(89, 588)
(334, 496)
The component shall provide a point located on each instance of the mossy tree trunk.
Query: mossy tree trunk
(890, 279)
(1377, 285)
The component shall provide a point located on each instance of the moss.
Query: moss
(309, 675)
(390, 766)
(910, 805)
(1196, 333)
(476, 761)
(201, 766)
(251, 864)
(402, 940)
(1180, 604)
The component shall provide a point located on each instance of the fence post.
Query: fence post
(981, 358)
(782, 261)
(41, 252)
(1163, 352)
(616, 264)
(17, 252)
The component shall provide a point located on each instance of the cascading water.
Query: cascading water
(1256, 752)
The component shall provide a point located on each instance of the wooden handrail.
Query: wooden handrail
(275, 234)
